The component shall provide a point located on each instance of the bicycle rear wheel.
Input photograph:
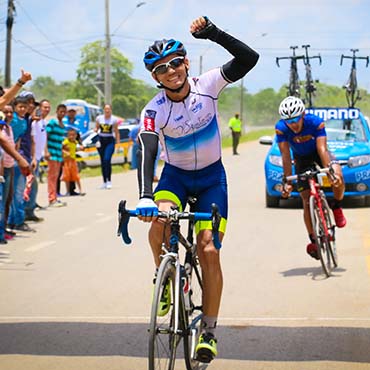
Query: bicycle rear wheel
(163, 340)
(321, 239)
(193, 319)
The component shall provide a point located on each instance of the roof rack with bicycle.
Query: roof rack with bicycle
(309, 86)
(352, 92)
(294, 83)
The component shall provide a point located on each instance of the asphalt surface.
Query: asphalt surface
(74, 297)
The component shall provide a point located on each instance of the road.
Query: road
(73, 297)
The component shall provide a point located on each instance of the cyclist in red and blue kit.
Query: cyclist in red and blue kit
(184, 118)
(305, 135)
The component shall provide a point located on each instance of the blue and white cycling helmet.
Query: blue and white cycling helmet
(160, 49)
(291, 107)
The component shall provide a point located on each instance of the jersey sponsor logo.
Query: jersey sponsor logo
(161, 101)
(197, 108)
(335, 113)
(279, 132)
(149, 120)
(179, 118)
(302, 139)
(321, 126)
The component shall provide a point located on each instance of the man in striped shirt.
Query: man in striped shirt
(55, 130)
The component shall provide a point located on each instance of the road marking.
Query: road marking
(39, 246)
(75, 231)
(145, 319)
(104, 219)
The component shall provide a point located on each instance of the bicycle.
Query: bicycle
(184, 278)
(294, 85)
(309, 86)
(321, 215)
(352, 93)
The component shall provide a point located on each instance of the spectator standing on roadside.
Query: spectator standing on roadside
(21, 125)
(55, 135)
(70, 121)
(70, 169)
(107, 127)
(39, 140)
(235, 125)
(8, 172)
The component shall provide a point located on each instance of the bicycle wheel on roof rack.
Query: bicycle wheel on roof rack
(322, 242)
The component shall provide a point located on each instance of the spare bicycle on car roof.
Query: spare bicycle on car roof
(352, 92)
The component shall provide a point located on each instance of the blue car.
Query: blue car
(348, 136)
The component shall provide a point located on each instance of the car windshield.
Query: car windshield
(345, 130)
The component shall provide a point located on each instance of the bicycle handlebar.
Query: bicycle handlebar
(313, 172)
(172, 215)
(310, 173)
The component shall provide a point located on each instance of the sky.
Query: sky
(48, 35)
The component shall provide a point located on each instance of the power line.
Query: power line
(41, 31)
(42, 54)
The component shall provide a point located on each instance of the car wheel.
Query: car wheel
(367, 201)
(271, 202)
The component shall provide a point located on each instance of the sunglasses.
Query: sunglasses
(161, 69)
(292, 120)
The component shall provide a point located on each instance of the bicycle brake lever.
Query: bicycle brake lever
(216, 218)
(123, 219)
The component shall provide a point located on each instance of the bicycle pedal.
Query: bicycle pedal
(204, 355)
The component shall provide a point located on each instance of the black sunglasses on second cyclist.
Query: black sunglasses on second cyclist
(161, 69)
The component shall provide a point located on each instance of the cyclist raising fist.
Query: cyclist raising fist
(305, 135)
(183, 117)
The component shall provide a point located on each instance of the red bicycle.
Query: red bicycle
(321, 215)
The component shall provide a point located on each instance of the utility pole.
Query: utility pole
(8, 51)
(107, 74)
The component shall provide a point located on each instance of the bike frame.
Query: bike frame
(315, 192)
(171, 262)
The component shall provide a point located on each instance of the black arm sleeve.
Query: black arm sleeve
(146, 155)
(244, 59)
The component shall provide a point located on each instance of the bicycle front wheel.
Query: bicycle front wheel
(318, 224)
(331, 232)
(163, 340)
(193, 319)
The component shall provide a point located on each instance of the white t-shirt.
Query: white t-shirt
(106, 125)
(39, 135)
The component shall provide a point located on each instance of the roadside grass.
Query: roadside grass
(226, 143)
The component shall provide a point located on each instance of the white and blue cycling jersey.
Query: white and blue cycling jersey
(189, 131)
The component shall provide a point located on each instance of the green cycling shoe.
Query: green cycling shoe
(165, 301)
(206, 349)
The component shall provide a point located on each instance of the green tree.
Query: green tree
(45, 87)
(128, 95)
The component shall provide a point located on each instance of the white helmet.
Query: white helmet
(291, 107)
